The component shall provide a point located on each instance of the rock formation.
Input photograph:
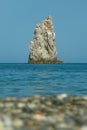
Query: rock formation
(43, 46)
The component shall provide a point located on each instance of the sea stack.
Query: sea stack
(43, 47)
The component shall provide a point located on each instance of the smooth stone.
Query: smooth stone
(17, 123)
(84, 128)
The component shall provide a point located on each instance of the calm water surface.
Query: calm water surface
(22, 80)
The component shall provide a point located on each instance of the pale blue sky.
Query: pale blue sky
(18, 19)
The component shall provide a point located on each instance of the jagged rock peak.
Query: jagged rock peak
(43, 46)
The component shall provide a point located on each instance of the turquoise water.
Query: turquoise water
(22, 80)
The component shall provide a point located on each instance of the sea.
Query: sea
(25, 80)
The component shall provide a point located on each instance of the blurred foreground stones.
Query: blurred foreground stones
(59, 112)
(43, 46)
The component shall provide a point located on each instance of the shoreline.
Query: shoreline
(58, 112)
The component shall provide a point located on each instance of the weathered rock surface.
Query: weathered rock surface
(43, 46)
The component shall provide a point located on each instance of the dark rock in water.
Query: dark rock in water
(43, 46)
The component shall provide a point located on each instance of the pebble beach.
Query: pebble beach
(59, 112)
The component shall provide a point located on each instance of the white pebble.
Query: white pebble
(84, 128)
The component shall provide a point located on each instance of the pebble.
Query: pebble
(84, 128)
(17, 123)
(58, 112)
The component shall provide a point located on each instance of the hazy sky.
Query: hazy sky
(18, 19)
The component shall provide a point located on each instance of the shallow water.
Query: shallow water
(22, 80)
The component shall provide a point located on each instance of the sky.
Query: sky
(18, 19)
